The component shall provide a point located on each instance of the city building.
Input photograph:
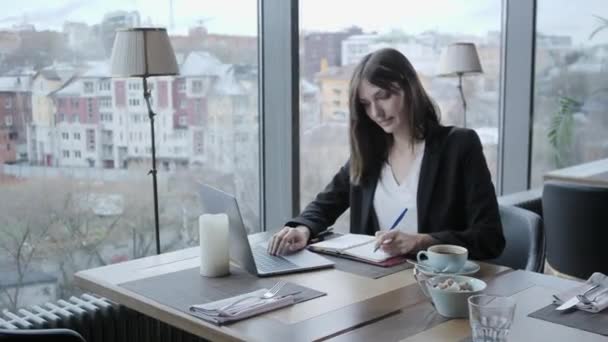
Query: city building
(333, 91)
(322, 47)
(40, 131)
(15, 113)
(113, 21)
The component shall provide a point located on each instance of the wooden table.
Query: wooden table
(536, 295)
(592, 173)
(355, 308)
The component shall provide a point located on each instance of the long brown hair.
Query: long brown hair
(369, 144)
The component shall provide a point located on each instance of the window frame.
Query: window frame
(278, 46)
(516, 96)
(279, 93)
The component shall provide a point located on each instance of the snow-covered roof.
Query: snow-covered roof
(55, 73)
(362, 37)
(58, 75)
(21, 71)
(97, 69)
(72, 87)
(201, 63)
(15, 83)
(227, 84)
(307, 87)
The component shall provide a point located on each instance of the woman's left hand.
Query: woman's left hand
(399, 243)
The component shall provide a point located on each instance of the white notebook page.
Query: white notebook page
(345, 241)
(367, 252)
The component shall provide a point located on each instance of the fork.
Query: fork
(266, 295)
(579, 296)
(588, 301)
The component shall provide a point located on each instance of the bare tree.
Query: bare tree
(24, 232)
(81, 233)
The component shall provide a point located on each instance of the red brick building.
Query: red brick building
(15, 114)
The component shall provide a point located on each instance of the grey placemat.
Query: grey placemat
(183, 288)
(592, 322)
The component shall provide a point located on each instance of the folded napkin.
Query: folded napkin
(598, 296)
(251, 304)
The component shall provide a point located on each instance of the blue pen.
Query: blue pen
(399, 218)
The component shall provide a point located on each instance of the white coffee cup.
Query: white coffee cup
(444, 258)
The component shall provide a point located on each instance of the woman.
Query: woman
(403, 161)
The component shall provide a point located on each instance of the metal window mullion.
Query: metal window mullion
(279, 111)
(517, 91)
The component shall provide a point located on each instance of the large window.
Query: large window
(331, 45)
(71, 204)
(571, 85)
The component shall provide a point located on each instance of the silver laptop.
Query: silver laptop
(250, 252)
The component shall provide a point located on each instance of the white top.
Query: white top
(391, 198)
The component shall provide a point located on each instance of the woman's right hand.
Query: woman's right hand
(288, 240)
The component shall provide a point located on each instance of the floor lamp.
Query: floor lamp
(145, 52)
(459, 59)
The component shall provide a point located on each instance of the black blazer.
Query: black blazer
(456, 199)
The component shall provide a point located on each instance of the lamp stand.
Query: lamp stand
(464, 102)
(151, 115)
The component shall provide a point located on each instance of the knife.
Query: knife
(568, 304)
(575, 300)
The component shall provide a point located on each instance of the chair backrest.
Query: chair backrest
(525, 239)
(527, 199)
(576, 224)
(40, 335)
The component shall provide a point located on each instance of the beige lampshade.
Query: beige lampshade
(140, 52)
(459, 58)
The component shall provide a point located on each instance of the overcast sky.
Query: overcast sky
(240, 16)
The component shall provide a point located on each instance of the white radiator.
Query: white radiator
(97, 319)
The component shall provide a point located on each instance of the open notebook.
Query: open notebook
(358, 247)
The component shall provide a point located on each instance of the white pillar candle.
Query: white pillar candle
(214, 242)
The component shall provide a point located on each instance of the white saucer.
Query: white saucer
(469, 267)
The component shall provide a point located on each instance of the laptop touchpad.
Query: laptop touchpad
(302, 258)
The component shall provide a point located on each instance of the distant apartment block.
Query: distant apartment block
(323, 47)
(15, 113)
(40, 131)
(84, 118)
(113, 21)
(333, 87)
(354, 48)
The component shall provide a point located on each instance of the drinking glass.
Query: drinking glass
(490, 317)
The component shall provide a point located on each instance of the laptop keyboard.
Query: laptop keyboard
(267, 263)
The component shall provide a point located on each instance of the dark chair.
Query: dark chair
(528, 199)
(525, 240)
(576, 225)
(40, 335)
